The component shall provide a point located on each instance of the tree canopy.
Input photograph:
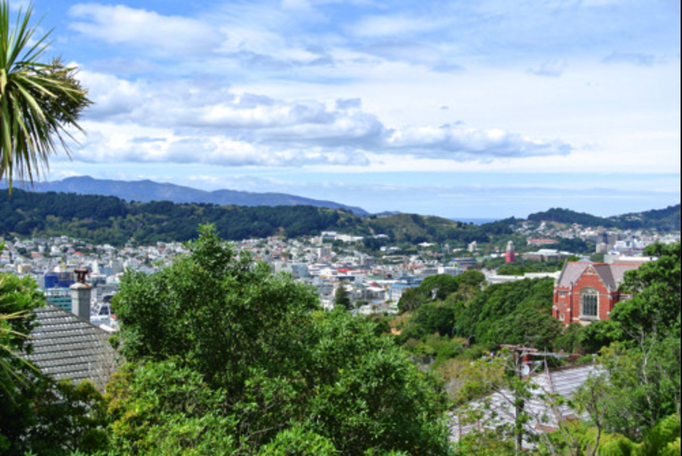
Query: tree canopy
(221, 352)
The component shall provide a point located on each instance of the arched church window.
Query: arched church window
(589, 303)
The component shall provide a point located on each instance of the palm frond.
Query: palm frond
(40, 101)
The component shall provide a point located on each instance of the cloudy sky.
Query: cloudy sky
(456, 108)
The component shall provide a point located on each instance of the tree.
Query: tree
(504, 424)
(641, 347)
(39, 101)
(17, 298)
(225, 357)
(37, 413)
(654, 310)
(341, 298)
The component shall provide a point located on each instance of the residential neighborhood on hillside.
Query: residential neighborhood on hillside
(374, 282)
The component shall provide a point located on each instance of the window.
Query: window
(589, 303)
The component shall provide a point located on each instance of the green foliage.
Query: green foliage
(662, 219)
(581, 439)
(560, 215)
(667, 219)
(221, 312)
(654, 309)
(104, 219)
(597, 257)
(513, 313)
(530, 324)
(298, 441)
(18, 297)
(439, 287)
(646, 381)
(160, 408)
(415, 229)
(498, 374)
(436, 318)
(225, 357)
(575, 245)
(52, 418)
(367, 394)
(522, 266)
(663, 439)
(485, 443)
(608, 445)
(655, 306)
(641, 347)
(39, 101)
(341, 298)
(68, 418)
(410, 300)
(570, 340)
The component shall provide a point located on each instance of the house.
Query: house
(498, 409)
(66, 346)
(587, 292)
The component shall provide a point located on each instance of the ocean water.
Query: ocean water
(476, 221)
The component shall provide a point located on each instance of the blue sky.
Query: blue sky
(457, 108)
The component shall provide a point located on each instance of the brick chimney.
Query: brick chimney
(81, 294)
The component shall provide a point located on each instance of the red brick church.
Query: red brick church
(587, 292)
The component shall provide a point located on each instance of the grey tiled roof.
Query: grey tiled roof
(611, 274)
(571, 273)
(619, 270)
(64, 346)
(604, 271)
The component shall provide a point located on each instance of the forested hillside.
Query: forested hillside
(106, 219)
(661, 219)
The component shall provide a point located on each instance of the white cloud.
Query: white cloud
(144, 30)
(113, 96)
(457, 143)
(212, 124)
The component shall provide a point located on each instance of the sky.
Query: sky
(462, 109)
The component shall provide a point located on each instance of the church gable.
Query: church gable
(587, 291)
(593, 279)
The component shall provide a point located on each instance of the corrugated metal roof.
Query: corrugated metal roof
(64, 346)
(498, 409)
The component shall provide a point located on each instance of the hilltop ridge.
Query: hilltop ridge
(146, 191)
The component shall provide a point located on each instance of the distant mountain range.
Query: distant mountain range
(146, 191)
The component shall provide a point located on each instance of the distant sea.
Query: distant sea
(476, 221)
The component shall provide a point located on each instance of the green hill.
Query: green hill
(667, 219)
(107, 219)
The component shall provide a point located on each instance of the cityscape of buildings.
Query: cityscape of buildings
(374, 283)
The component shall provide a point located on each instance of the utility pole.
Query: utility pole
(519, 402)
(519, 392)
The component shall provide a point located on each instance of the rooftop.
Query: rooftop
(65, 346)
